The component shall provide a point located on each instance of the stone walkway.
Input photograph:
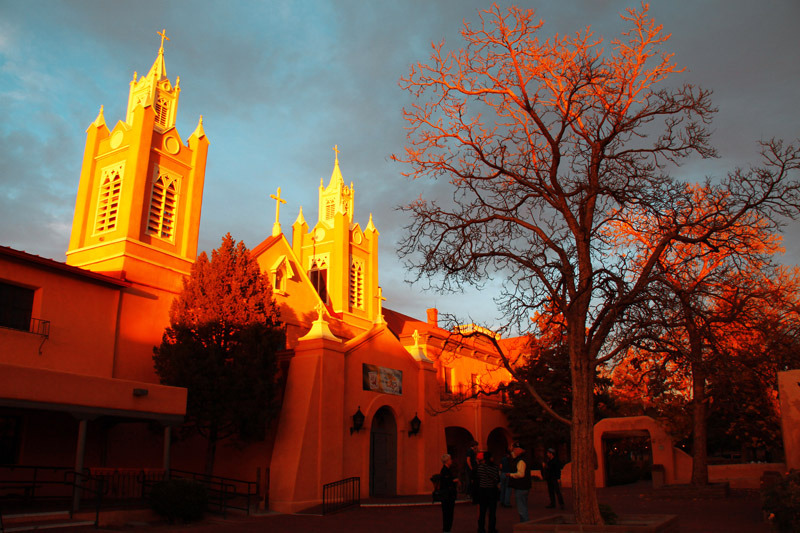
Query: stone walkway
(740, 512)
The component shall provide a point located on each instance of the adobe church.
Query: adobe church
(367, 389)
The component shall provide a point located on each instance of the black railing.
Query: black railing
(126, 484)
(224, 492)
(341, 495)
(86, 485)
(27, 483)
(36, 326)
(24, 487)
(40, 327)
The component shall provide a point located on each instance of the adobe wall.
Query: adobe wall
(742, 476)
(678, 464)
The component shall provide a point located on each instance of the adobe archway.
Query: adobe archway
(663, 452)
(458, 439)
(498, 441)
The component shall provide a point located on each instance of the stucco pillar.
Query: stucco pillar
(311, 430)
(80, 452)
(167, 450)
(789, 393)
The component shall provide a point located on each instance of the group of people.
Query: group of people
(489, 483)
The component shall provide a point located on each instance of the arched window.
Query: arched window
(357, 285)
(163, 204)
(108, 201)
(162, 111)
(330, 209)
(318, 274)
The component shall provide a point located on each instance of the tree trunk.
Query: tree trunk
(582, 445)
(699, 429)
(211, 450)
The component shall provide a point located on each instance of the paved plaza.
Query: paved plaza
(740, 512)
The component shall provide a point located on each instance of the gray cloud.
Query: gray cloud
(280, 82)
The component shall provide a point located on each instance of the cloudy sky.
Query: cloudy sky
(279, 83)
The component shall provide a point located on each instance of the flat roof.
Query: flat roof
(59, 266)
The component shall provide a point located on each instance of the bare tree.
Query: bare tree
(545, 144)
(711, 300)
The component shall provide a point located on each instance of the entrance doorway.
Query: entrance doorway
(498, 443)
(628, 456)
(457, 440)
(383, 454)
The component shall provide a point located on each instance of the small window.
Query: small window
(10, 428)
(330, 209)
(162, 111)
(279, 285)
(16, 306)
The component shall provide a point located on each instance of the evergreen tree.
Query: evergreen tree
(221, 345)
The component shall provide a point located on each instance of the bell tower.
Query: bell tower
(341, 258)
(137, 212)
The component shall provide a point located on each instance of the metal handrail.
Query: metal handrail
(40, 327)
(341, 494)
(225, 488)
(114, 484)
(98, 487)
(30, 483)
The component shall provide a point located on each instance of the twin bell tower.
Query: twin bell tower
(137, 213)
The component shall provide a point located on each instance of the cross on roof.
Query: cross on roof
(336, 149)
(278, 202)
(276, 227)
(379, 296)
(163, 34)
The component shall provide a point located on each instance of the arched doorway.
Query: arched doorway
(457, 440)
(383, 454)
(498, 443)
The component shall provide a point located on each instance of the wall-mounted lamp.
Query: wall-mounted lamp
(358, 421)
(140, 392)
(415, 425)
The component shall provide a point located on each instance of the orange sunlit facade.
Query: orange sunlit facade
(77, 385)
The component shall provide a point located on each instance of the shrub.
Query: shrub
(609, 516)
(182, 499)
(781, 502)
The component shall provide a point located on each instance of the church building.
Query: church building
(369, 393)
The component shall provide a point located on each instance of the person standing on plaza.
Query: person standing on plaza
(472, 465)
(488, 475)
(551, 472)
(520, 480)
(505, 470)
(448, 489)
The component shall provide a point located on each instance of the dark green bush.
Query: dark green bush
(781, 502)
(609, 516)
(179, 499)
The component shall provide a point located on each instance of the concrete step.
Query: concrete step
(39, 521)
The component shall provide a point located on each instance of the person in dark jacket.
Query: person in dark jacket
(448, 488)
(472, 466)
(520, 479)
(505, 470)
(488, 475)
(551, 472)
